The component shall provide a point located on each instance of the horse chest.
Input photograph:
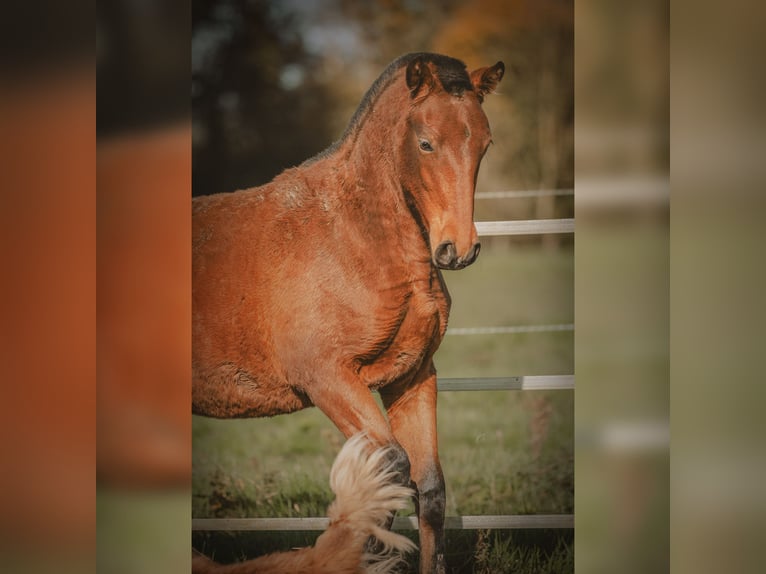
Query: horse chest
(411, 337)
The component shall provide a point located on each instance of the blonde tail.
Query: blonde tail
(363, 479)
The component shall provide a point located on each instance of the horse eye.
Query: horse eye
(425, 145)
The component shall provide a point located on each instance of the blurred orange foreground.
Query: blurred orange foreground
(144, 309)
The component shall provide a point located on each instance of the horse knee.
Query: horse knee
(399, 462)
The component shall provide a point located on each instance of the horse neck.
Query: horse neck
(374, 201)
(371, 158)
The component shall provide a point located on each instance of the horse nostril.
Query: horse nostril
(445, 254)
(472, 254)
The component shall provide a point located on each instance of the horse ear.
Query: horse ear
(419, 77)
(485, 80)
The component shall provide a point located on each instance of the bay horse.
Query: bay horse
(326, 283)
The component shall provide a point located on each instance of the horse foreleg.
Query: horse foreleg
(351, 407)
(412, 414)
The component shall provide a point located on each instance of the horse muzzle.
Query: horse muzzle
(445, 256)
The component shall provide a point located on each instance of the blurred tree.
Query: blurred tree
(394, 27)
(142, 65)
(257, 105)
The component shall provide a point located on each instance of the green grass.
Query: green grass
(508, 552)
(502, 452)
(513, 286)
(507, 452)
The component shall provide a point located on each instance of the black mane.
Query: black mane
(452, 75)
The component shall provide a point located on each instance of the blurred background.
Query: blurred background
(143, 265)
(622, 354)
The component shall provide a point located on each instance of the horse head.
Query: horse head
(446, 137)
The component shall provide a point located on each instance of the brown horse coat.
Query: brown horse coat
(326, 283)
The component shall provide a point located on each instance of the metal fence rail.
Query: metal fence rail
(523, 193)
(519, 383)
(525, 227)
(517, 521)
(509, 330)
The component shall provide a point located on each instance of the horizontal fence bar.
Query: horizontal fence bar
(522, 194)
(400, 523)
(626, 437)
(519, 383)
(513, 329)
(525, 227)
(500, 522)
(630, 191)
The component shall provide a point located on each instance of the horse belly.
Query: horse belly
(231, 392)
(235, 370)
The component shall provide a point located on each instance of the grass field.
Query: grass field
(502, 452)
